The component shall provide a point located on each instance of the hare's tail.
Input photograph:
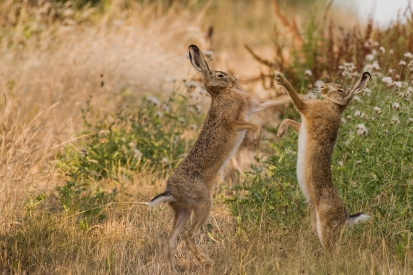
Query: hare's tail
(164, 197)
(356, 218)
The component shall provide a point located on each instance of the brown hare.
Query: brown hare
(317, 134)
(189, 187)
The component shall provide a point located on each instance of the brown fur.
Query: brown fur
(321, 121)
(189, 187)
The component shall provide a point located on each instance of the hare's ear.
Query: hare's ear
(198, 59)
(361, 83)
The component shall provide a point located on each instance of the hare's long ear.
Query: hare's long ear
(198, 59)
(361, 83)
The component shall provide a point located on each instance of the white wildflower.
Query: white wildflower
(369, 57)
(402, 63)
(308, 72)
(401, 94)
(395, 106)
(382, 49)
(311, 95)
(391, 71)
(366, 92)
(361, 130)
(191, 84)
(377, 109)
(375, 65)
(348, 117)
(318, 84)
(356, 99)
(198, 108)
(165, 161)
(386, 132)
(394, 120)
(408, 55)
(391, 51)
(194, 127)
(201, 91)
(410, 120)
(387, 80)
(340, 163)
(343, 120)
(358, 113)
(359, 162)
(397, 84)
(194, 96)
(368, 68)
(159, 114)
(152, 101)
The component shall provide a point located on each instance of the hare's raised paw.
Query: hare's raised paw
(279, 78)
(281, 131)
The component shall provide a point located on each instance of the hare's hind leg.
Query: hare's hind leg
(288, 123)
(181, 217)
(329, 221)
(200, 215)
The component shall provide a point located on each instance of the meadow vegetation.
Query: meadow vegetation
(95, 115)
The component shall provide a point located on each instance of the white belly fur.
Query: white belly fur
(301, 164)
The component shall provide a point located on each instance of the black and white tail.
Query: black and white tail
(356, 218)
(164, 197)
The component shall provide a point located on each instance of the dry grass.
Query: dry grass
(47, 76)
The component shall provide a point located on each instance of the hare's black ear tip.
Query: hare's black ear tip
(366, 75)
(193, 47)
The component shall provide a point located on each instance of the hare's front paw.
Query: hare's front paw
(281, 129)
(279, 78)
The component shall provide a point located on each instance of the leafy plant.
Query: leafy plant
(117, 144)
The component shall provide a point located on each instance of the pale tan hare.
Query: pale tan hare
(189, 187)
(317, 134)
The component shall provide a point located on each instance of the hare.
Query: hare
(317, 135)
(189, 187)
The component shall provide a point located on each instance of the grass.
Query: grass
(76, 83)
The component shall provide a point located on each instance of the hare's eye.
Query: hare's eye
(220, 75)
(340, 91)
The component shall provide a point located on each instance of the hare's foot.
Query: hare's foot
(203, 258)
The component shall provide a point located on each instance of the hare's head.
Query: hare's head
(215, 81)
(341, 95)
